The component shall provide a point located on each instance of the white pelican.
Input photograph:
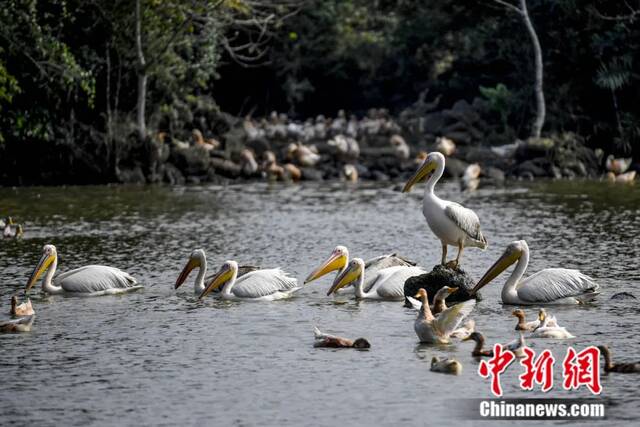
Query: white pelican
(339, 259)
(332, 341)
(516, 346)
(20, 310)
(437, 330)
(545, 330)
(388, 285)
(548, 286)
(22, 324)
(624, 368)
(259, 285)
(446, 365)
(90, 280)
(198, 260)
(452, 223)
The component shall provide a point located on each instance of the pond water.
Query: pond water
(159, 356)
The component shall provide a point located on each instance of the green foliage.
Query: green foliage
(500, 100)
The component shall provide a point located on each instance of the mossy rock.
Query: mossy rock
(439, 277)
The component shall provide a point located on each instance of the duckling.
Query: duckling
(22, 324)
(332, 341)
(20, 310)
(445, 145)
(623, 368)
(465, 330)
(446, 365)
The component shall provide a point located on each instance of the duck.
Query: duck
(623, 178)
(401, 149)
(516, 346)
(323, 340)
(617, 166)
(446, 365)
(437, 330)
(467, 328)
(623, 368)
(445, 146)
(20, 310)
(546, 330)
(439, 304)
(350, 173)
(22, 324)
(522, 325)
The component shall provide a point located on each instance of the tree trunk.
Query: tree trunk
(142, 78)
(540, 104)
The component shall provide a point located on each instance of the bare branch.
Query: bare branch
(509, 6)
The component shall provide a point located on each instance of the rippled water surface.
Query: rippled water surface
(159, 356)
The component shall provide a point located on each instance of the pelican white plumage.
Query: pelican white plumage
(388, 283)
(258, 285)
(437, 330)
(452, 223)
(548, 286)
(90, 280)
(339, 260)
(198, 259)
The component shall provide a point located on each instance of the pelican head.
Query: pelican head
(350, 274)
(224, 274)
(361, 343)
(336, 261)
(49, 255)
(196, 259)
(428, 166)
(511, 255)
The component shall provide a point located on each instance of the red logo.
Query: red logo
(496, 366)
(582, 369)
(538, 370)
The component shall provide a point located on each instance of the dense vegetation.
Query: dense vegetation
(74, 74)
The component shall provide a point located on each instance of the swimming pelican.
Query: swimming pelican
(198, 259)
(548, 286)
(90, 280)
(452, 223)
(437, 330)
(332, 341)
(545, 330)
(624, 368)
(339, 259)
(446, 365)
(259, 285)
(389, 282)
(22, 324)
(20, 310)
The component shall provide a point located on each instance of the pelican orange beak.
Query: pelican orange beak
(508, 258)
(351, 274)
(221, 277)
(43, 265)
(425, 169)
(336, 261)
(191, 264)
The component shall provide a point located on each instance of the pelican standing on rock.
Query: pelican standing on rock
(90, 280)
(437, 330)
(259, 285)
(339, 260)
(548, 286)
(388, 284)
(452, 223)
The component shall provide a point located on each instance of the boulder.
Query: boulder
(439, 277)
(454, 168)
(191, 161)
(311, 174)
(172, 175)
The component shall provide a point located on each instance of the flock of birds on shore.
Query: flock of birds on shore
(380, 278)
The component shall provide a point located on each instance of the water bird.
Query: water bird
(546, 330)
(332, 341)
(446, 365)
(388, 283)
(548, 286)
(22, 324)
(90, 280)
(198, 259)
(445, 146)
(20, 310)
(623, 178)
(258, 285)
(617, 166)
(8, 233)
(439, 303)
(516, 346)
(609, 366)
(452, 223)
(523, 325)
(400, 148)
(339, 259)
(437, 330)
(467, 328)
(471, 177)
(350, 173)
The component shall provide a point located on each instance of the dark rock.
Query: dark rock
(454, 167)
(493, 173)
(226, 168)
(259, 146)
(439, 277)
(534, 148)
(459, 137)
(433, 123)
(131, 176)
(193, 180)
(530, 168)
(172, 175)
(191, 161)
(379, 176)
(623, 295)
(311, 174)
